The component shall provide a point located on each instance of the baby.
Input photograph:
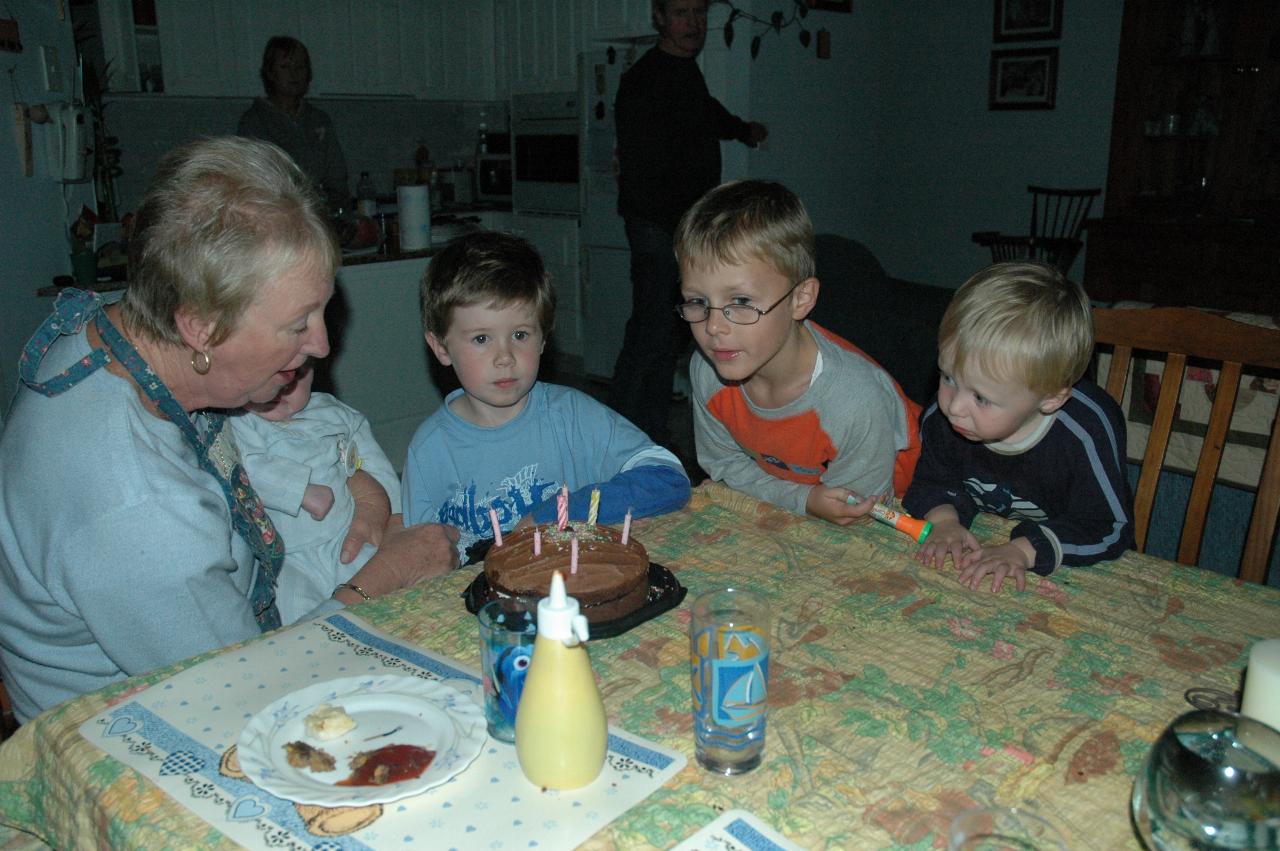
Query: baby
(299, 451)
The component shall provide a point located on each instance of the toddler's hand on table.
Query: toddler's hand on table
(832, 504)
(1006, 561)
(949, 537)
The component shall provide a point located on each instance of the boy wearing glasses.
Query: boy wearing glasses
(506, 441)
(783, 409)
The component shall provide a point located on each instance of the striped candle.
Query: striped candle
(594, 511)
(562, 508)
(497, 530)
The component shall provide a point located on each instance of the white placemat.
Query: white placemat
(737, 830)
(180, 734)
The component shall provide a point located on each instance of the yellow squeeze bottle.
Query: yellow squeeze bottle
(561, 729)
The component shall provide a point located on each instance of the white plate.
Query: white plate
(430, 714)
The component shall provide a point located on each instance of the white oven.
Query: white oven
(546, 139)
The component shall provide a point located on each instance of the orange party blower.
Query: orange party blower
(905, 523)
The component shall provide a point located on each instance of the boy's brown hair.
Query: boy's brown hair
(485, 268)
(746, 220)
(1020, 321)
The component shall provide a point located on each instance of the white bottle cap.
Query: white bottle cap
(559, 617)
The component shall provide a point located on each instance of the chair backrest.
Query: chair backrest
(1060, 213)
(1056, 251)
(1182, 333)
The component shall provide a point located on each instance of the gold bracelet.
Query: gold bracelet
(351, 586)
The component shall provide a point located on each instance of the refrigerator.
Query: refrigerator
(605, 258)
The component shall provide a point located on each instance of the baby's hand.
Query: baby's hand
(317, 500)
(832, 504)
(949, 537)
(1006, 561)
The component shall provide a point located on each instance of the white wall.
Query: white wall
(35, 212)
(890, 141)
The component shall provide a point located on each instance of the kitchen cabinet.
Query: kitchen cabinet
(606, 275)
(365, 47)
(1193, 187)
(459, 56)
(616, 19)
(380, 364)
(538, 45)
(358, 47)
(556, 238)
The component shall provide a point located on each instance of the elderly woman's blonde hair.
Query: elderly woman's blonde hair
(746, 220)
(1020, 321)
(222, 218)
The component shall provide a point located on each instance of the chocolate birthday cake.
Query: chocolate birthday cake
(612, 579)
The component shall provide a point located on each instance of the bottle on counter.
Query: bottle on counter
(366, 195)
(422, 162)
(562, 733)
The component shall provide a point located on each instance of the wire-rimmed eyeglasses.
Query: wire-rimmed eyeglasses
(694, 312)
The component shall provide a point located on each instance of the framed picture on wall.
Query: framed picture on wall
(1023, 79)
(1028, 20)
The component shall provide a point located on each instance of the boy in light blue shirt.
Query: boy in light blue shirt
(504, 440)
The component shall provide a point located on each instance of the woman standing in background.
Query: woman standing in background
(283, 117)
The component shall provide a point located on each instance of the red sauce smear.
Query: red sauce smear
(390, 764)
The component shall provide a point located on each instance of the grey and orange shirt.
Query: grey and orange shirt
(853, 427)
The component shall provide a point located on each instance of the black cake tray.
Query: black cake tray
(665, 593)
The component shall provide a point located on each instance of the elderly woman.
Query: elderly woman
(305, 132)
(129, 535)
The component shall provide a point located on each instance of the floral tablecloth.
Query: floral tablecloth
(897, 698)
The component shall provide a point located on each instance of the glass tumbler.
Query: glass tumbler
(729, 651)
(508, 628)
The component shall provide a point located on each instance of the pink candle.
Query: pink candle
(573, 554)
(537, 541)
(626, 527)
(497, 530)
(562, 508)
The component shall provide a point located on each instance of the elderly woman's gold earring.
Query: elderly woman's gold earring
(201, 362)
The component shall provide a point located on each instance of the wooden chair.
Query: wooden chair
(1056, 251)
(1060, 213)
(1183, 333)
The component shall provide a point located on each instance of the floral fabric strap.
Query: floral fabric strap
(215, 449)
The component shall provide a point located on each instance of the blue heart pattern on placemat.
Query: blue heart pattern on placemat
(181, 762)
(246, 809)
(120, 726)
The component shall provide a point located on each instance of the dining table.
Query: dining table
(897, 698)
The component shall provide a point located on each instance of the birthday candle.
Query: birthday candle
(594, 510)
(537, 541)
(573, 554)
(497, 530)
(562, 508)
(626, 527)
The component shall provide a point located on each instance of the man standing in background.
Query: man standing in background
(669, 132)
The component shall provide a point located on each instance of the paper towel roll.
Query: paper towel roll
(414, 205)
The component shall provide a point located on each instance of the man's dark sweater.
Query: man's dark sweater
(669, 132)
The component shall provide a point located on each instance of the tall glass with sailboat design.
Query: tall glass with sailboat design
(729, 642)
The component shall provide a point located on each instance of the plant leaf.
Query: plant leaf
(728, 33)
(755, 47)
(804, 37)
(776, 21)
